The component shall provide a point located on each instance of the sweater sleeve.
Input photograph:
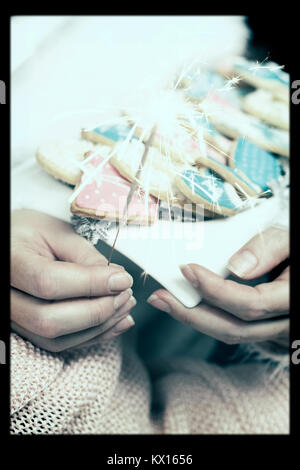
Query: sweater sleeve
(267, 351)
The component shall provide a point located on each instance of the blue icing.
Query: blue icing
(259, 166)
(204, 123)
(203, 83)
(234, 172)
(207, 78)
(265, 72)
(206, 82)
(234, 95)
(116, 132)
(209, 187)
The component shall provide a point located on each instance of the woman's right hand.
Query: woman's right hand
(63, 294)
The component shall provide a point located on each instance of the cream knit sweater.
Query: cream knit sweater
(107, 389)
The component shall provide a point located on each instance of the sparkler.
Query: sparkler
(271, 66)
(133, 188)
(173, 113)
(168, 113)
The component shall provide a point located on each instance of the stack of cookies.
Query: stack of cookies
(229, 155)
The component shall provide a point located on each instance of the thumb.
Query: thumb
(56, 263)
(261, 254)
(71, 247)
(67, 245)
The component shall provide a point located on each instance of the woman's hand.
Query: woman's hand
(236, 313)
(63, 294)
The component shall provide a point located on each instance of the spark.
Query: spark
(132, 190)
(270, 66)
(185, 71)
(259, 64)
(144, 276)
(231, 83)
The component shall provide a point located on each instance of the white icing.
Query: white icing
(158, 171)
(263, 104)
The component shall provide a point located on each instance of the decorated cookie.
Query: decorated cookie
(108, 134)
(201, 75)
(199, 84)
(185, 147)
(59, 158)
(261, 103)
(232, 175)
(206, 188)
(268, 76)
(179, 148)
(235, 123)
(158, 173)
(258, 165)
(212, 136)
(104, 196)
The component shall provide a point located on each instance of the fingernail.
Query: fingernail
(241, 263)
(124, 324)
(117, 265)
(119, 281)
(158, 303)
(189, 274)
(127, 306)
(120, 299)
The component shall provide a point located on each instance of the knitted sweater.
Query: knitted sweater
(107, 389)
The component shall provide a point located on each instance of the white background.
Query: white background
(66, 70)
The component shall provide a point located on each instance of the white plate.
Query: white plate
(160, 248)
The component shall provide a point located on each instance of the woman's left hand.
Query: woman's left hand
(237, 313)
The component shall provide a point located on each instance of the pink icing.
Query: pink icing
(108, 192)
(217, 98)
(191, 146)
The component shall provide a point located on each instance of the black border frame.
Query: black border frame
(198, 445)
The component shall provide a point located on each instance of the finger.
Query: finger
(51, 279)
(246, 302)
(261, 254)
(217, 323)
(76, 249)
(62, 343)
(54, 319)
(61, 238)
(123, 325)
